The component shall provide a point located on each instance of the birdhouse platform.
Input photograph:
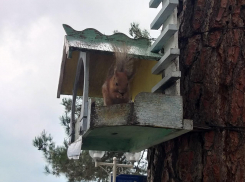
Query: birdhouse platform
(152, 117)
(150, 120)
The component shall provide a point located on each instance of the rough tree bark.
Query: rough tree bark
(212, 60)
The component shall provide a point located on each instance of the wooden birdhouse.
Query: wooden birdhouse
(156, 115)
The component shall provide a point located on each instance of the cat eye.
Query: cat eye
(116, 84)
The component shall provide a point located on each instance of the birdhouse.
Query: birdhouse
(94, 52)
(153, 117)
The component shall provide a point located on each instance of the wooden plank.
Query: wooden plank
(61, 72)
(165, 12)
(85, 56)
(106, 144)
(154, 3)
(168, 32)
(149, 109)
(151, 119)
(78, 127)
(131, 138)
(80, 121)
(158, 110)
(83, 61)
(115, 115)
(167, 81)
(165, 61)
(74, 96)
(145, 141)
(124, 138)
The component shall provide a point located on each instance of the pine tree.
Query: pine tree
(211, 42)
(76, 170)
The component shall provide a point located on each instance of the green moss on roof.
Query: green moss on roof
(92, 40)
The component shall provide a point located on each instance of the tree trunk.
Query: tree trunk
(212, 62)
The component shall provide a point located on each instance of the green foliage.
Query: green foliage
(136, 32)
(58, 163)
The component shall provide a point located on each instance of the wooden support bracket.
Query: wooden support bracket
(166, 11)
(167, 81)
(168, 32)
(154, 3)
(165, 61)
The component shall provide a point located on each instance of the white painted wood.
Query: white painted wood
(174, 89)
(74, 96)
(166, 34)
(165, 61)
(154, 3)
(84, 111)
(169, 20)
(165, 12)
(167, 81)
(80, 121)
(62, 71)
(89, 113)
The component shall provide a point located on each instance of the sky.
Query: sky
(31, 44)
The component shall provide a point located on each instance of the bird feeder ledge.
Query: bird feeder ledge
(150, 120)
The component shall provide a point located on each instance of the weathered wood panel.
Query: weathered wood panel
(149, 109)
(158, 110)
(151, 119)
(115, 115)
